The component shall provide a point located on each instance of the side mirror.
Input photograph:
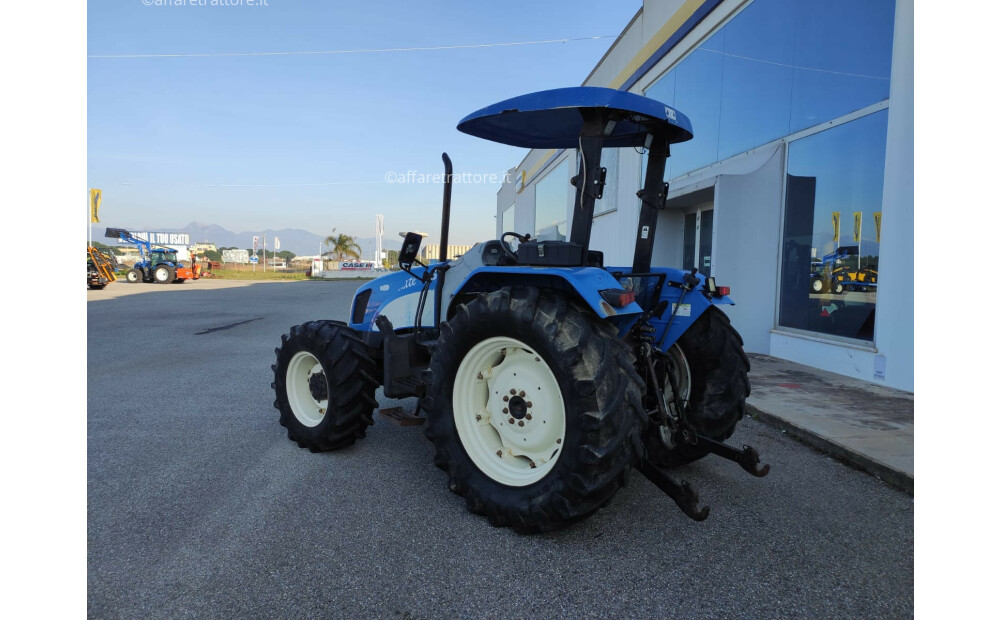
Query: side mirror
(411, 245)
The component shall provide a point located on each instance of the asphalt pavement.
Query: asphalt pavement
(199, 506)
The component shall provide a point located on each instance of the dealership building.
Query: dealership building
(797, 189)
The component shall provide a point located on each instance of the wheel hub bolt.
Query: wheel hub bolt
(513, 392)
(527, 416)
(505, 410)
(520, 422)
(521, 394)
(558, 440)
(529, 403)
(511, 420)
(506, 398)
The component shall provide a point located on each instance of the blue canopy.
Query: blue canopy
(553, 119)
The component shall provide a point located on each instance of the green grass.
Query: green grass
(259, 274)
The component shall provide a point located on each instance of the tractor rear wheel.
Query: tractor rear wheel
(324, 385)
(164, 274)
(709, 368)
(133, 276)
(535, 409)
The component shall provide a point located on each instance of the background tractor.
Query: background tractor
(101, 268)
(159, 264)
(833, 274)
(544, 376)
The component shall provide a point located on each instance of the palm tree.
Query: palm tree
(342, 245)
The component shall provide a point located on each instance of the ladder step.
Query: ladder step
(402, 417)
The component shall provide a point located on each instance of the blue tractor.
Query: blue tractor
(543, 375)
(157, 264)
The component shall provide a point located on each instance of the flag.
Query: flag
(857, 226)
(255, 240)
(878, 226)
(95, 204)
(277, 244)
(836, 227)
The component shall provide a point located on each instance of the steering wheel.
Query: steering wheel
(506, 248)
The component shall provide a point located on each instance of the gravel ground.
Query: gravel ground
(199, 506)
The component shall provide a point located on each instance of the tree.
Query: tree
(392, 258)
(213, 255)
(107, 248)
(342, 245)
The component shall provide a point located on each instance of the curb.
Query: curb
(893, 477)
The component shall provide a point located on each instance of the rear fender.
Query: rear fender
(694, 304)
(584, 284)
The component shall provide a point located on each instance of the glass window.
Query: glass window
(757, 69)
(552, 203)
(507, 220)
(843, 52)
(777, 67)
(830, 245)
(609, 160)
(698, 94)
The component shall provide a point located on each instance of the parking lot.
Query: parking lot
(199, 506)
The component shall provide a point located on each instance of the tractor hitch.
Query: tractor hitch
(747, 458)
(681, 492)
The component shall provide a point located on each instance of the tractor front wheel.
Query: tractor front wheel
(709, 369)
(133, 276)
(324, 385)
(535, 409)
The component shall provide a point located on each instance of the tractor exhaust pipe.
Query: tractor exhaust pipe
(446, 209)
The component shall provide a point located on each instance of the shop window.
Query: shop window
(552, 203)
(832, 229)
(779, 66)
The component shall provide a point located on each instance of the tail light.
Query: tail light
(617, 297)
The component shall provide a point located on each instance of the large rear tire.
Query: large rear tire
(535, 409)
(710, 369)
(164, 274)
(324, 385)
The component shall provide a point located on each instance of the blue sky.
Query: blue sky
(306, 141)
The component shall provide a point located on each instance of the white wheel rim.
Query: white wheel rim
(161, 274)
(517, 441)
(682, 379)
(301, 368)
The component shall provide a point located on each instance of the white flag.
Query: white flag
(277, 244)
(255, 239)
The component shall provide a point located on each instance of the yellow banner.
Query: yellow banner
(95, 204)
(857, 227)
(878, 226)
(836, 226)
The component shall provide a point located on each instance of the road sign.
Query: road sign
(253, 260)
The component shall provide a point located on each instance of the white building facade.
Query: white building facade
(803, 147)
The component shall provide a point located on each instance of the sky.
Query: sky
(312, 141)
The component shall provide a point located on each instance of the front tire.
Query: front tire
(710, 369)
(564, 440)
(133, 276)
(324, 385)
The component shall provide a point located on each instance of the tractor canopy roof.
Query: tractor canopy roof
(554, 119)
